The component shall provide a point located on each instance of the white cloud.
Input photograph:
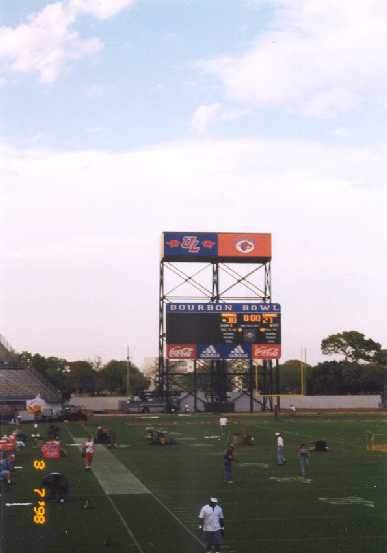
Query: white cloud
(85, 227)
(204, 116)
(46, 42)
(102, 9)
(318, 57)
(207, 114)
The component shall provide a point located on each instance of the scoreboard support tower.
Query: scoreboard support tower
(199, 279)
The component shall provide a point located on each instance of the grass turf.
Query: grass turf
(262, 514)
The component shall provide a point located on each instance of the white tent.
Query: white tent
(36, 405)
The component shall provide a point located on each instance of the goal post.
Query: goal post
(376, 442)
(292, 382)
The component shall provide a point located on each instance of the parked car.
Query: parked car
(143, 406)
(72, 413)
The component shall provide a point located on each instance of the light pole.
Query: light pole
(127, 372)
(384, 363)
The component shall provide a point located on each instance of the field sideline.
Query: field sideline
(340, 508)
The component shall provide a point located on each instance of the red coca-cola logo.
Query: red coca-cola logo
(266, 351)
(181, 351)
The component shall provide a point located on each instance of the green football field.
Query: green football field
(145, 499)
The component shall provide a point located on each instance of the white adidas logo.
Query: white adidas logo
(210, 352)
(238, 352)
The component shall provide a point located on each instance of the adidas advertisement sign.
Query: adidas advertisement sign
(209, 352)
(238, 352)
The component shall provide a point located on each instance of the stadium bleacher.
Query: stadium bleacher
(22, 383)
(25, 384)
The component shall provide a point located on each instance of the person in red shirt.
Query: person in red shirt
(88, 451)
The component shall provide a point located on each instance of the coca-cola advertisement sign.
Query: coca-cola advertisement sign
(181, 351)
(266, 351)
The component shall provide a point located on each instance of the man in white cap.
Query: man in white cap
(212, 525)
(280, 445)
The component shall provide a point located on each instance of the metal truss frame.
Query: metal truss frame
(256, 287)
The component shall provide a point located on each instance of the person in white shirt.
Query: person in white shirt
(280, 445)
(223, 421)
(293, 410)
(88, 451)
(212, 525)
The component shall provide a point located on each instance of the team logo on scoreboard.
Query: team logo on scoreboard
(246, 245)
(266, 351)
(239, 352)
(209, 352)
(181, 351)
(191, 243)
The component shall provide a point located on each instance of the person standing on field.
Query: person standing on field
(212, 525)
(223, 422)
(304, 458)
(228, 459)
(88, 451)
(280, 446)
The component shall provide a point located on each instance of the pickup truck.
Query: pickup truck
(143, 406)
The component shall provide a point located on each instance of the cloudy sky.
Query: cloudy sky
(123, 118)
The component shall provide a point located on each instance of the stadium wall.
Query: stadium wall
(97, 403)
(332, 402)
(242, 402)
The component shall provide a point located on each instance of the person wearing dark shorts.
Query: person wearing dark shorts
(212, 525)
(228, 459)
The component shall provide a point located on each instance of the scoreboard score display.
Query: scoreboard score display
(223, 331)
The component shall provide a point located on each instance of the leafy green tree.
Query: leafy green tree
(25, 358)
(325, 378)
(114, 375)
(86, 377)
(81, 377)
(51, 369)
(290, 375)
(341, 378)
(353, 345)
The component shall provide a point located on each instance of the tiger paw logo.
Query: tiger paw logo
(245, 246)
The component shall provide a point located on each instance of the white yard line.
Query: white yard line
(124, 523)
(17, 504)
(177, 519)
(113, 476)
(138, 484)
(118, 512)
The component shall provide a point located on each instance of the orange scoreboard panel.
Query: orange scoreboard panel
(243, 245)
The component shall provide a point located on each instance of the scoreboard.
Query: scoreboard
(223, 331)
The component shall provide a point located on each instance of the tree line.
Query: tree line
(87, 377)
(358, 367)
